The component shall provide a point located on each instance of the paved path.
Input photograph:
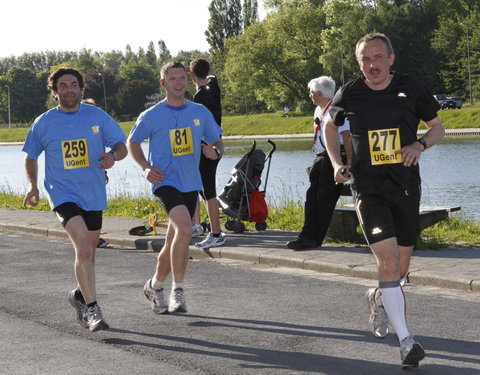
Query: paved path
(454, 268)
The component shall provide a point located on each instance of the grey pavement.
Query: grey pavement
(455, 268)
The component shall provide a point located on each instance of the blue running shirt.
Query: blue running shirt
(175, 135)
(73, 142)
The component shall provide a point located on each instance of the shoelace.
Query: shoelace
(178, 296)
(94, 313)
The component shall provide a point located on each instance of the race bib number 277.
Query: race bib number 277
(383, 144)
(75, 154)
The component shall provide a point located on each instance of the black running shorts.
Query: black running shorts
(390, 214)
(67, 210)
(170, 197)
(208, 171)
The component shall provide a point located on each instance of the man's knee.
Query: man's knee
(182, 222)
(85, 254)
(184, 231)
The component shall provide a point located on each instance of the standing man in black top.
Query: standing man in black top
(208, 93)
(384, 109)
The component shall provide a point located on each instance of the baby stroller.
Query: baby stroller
(246, 177)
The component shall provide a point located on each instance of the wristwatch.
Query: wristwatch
(423, 143)
(217, 151)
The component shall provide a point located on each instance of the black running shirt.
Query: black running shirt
(210, 96)
(382, 121)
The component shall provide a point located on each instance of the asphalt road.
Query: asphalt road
(243, 319)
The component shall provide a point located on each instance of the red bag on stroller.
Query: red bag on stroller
(257, 207)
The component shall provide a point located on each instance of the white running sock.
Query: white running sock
(393, 301)
(156, 284)
(177, 285)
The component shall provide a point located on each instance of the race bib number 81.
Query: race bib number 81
(75, 154)
(383, 144)
(181, 141)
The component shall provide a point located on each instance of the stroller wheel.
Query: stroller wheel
(229, 224)
(238, 227)
(261, 226)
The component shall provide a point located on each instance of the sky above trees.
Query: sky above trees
(33, 26)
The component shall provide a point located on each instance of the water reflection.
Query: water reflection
(450, 172)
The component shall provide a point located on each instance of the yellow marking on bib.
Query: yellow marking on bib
(383, 144)
(75, 154)
(181, 141)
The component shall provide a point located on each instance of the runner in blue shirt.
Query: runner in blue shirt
(74, 137)
(175, 129)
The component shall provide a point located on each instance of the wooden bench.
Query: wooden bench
(345, 221)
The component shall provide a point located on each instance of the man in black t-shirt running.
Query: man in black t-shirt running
(384, 109)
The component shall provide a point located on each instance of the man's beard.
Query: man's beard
(72, 103)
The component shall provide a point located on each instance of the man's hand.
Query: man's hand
(31, 197)
(108, 160)
(342, 174)
(153, 175)
(210, 153)
(411, 154)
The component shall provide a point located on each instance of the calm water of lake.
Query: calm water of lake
(450, 172)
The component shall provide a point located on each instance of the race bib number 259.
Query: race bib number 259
(383, 144)
(75, 154)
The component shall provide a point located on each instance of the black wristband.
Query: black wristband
(217, 151)
(423, 143)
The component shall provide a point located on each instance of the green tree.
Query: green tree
(132, 96)
(141, 53)
(138, 70)
(85, 61)
(3, 100)
(459, 57)
(249, 12)
(112, 60)
(348, 20)
(138, 80)
(129, 54)
(151, 56)
(7, 63)
(36, 61)
(94, 87)
(28, 94)
(274, 60)
(412, 41)
(225, 22)
(284, 5)
(163, 53)
(345, 23)
(186, 56)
